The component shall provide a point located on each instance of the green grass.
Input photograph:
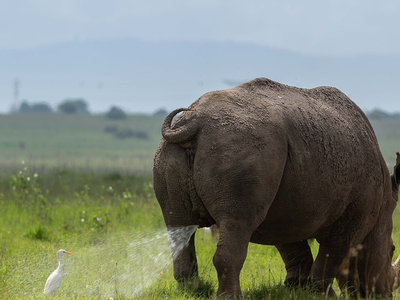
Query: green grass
(101, 216)
(92, 195)
(114, 227)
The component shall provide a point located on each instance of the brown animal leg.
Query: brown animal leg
(230, 256)
(185, 263)
(325, 269)
(298, 262)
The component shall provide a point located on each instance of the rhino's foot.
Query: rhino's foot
(323, 287)
(307, 284)
(298, 282)
(191, 284)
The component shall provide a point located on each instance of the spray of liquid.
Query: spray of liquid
(122, 265)
(179, 238)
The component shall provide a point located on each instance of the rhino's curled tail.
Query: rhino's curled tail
(180, 134)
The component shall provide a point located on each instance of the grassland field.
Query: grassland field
(67, 183)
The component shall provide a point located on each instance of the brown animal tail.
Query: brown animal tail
(180, 134)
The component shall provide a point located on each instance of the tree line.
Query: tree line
(79, 106)
(75, 106)
(68, 106)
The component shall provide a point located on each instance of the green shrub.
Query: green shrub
(38, 233)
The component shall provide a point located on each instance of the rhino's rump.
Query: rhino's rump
(331, 168)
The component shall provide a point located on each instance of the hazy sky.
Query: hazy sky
(318, 30)
(341, 27)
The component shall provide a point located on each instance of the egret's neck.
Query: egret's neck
(60, 263)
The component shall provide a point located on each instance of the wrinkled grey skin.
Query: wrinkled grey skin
(277, 165)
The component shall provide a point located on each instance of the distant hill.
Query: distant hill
(142, 76)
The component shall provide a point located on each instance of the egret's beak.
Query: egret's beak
(66, 252)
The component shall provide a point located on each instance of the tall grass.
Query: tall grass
(114, 227)
(42, 213)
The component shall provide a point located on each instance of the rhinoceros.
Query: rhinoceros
(278, 165)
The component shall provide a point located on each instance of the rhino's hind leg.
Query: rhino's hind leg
(326, 267)
(185, 262)
(298, 262)
(230, 256)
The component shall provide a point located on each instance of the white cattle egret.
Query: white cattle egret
(55, 279)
